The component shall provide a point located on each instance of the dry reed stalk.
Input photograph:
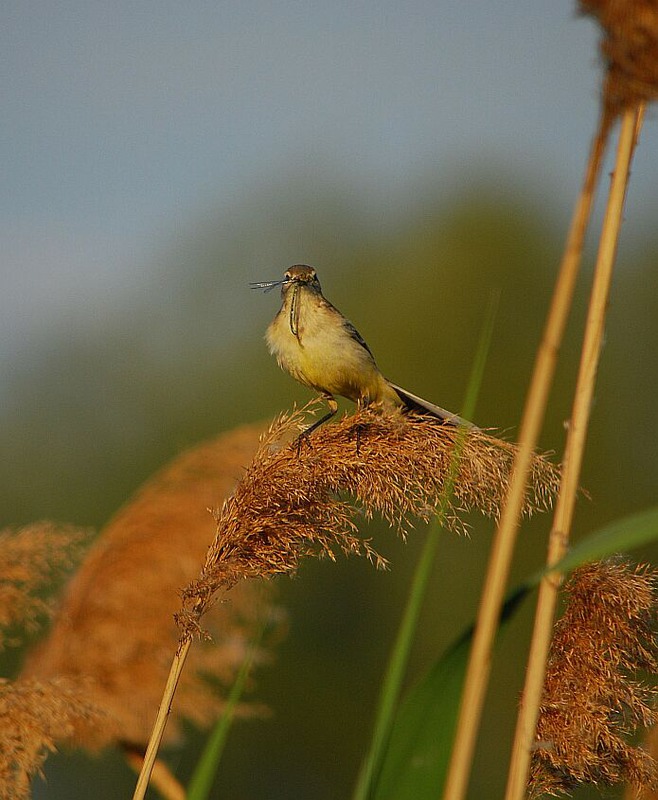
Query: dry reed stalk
(164, 710)
(573, 458)
(162, 779)
(115, 627)
(533, 416)
(593, 702)
(630, 48)
(293, 502)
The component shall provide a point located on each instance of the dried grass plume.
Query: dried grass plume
(34, 716)
(114, 630)
(31, 559)
(299, 500)
(630, 49)
(593, 701)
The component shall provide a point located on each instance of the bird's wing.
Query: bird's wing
(351, 330)
(356, 335)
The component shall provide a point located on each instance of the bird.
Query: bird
(319, 347)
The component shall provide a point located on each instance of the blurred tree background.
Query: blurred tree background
(92, 414)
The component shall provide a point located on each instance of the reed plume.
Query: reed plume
(114, 630)
(593, 700)
(34, 715)
(300, 500)
(630, 50)
(31, 559)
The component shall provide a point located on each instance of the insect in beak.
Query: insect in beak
(267, 286)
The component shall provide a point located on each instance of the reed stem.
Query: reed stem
(559, 536)
(161, 719)
(477, 674)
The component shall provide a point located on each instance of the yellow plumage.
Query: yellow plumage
(319, 351)
(320, 348)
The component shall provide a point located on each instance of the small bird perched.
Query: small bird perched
(320, 348)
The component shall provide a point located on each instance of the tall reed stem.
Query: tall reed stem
(161, 719)
(559, 536)
(477, 674)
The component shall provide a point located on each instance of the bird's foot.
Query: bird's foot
(355, 433)
(303, 438)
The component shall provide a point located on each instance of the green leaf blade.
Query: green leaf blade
(418, 753)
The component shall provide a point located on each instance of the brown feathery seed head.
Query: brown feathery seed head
(592, 700)
(115, 628)
(34, 715)
(630, 50)
(301, 499)
(31, 559)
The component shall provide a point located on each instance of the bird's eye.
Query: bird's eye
(287, 277)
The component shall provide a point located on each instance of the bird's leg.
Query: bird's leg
(304, 435)
(333, 408)
(363, 402)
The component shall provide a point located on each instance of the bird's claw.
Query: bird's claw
(355, 433)
(297, 443)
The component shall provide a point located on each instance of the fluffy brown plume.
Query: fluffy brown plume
(301, 499)
(34, 715)
(647, 792)
(592, 699)
(31, 558)
(630, 49)
(115, 630)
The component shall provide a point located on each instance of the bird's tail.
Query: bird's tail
(417, 404)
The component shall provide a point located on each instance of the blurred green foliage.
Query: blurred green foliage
(96, 411)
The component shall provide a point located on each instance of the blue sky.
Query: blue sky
(125, 121)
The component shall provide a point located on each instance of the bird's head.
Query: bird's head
(299, 275)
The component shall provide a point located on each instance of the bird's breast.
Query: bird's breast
(318, 351)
